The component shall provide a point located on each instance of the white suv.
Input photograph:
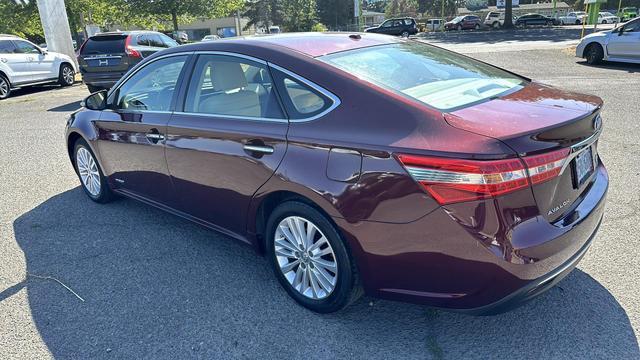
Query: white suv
(22, 63)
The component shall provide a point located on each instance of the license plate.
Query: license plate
(584, 166)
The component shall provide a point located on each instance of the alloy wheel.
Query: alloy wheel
(68, 75)
(88, 170)
(4, 88)
(305, 257)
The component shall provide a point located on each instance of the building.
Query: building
(372, 18)
(562, 8)
(223, 27)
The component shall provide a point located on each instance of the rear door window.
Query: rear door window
(25, 47)
(104, 45)
(156, 41)
(7, 47)
(301, 100)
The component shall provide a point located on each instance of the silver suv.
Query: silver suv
(23, 64)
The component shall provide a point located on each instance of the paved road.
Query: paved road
(156, 286)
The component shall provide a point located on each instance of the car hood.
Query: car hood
(524, 112)
(599, 34)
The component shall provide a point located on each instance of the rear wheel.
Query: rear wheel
(5, 87)
(496, 25)
(459, 27)
(594, 54)
(310, 259)
(578, 22)
(477, 27)
(67, 75)
(93, 181)
(405, 34)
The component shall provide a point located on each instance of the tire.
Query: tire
(604, 21)
(459, 27)
(290, 266)
(405, 34)
(66, 76)
(477, 27)
(594, 54)
(496, 25)
(83, 159)
(578, 22)
(5, 87)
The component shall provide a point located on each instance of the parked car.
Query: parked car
(274, 30)
(572, 18)
(434, 24)
(105, 57)
(495, 19)
(535, 19)
(210, 38)
(607, 18)
(22, 63)
(628, 13)
(463, 23)
(367, 164)
(620, 44)
(398, 27)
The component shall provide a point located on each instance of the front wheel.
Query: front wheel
(310, 258)
(405, 34)
(93, 181)
(67, 75)
(5, 88)
(459, 27)
(595, 54)
(477, 27)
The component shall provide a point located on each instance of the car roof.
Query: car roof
(312, 43)
(124, 33)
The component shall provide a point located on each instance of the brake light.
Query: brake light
(130, 50)
(457, 180)
(546, 166)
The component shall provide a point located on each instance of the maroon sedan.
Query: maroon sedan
(358, 164)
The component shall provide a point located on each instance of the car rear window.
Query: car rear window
(439, 78)
(104, 45)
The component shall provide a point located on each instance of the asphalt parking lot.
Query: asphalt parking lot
(156, 286)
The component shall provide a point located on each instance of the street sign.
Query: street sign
(500, 4)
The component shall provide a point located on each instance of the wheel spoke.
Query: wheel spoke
(324, 279)
(288, 267)
(314, 283)
(286, 244)
(289, 236)
(331, 266)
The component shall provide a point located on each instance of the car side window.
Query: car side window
(232, 86)
(152, 87)
(387, 23)
(7, 47)
(143, 40)
(26, 48)
(169, 42)
(155, 41)
(633, 26)
(301, 100)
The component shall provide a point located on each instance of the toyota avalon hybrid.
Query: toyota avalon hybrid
(357, 163)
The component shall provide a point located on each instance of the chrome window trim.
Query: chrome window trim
(248, 118)
(335, 100)
(577, 149)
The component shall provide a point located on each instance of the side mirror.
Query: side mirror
(96, 101)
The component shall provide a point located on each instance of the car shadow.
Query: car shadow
(72, 106)
(35, 89)
(150, 284)
(626, 67)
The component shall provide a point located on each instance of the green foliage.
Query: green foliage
(401, 8)
(299, 15)
(318, 27)
(21, 20)
(335, 13)
(433, 8)
(263, 13)
(184, 10)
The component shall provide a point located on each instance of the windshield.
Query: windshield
(457, 19)
(439, 78)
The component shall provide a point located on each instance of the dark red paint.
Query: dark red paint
(407, 247)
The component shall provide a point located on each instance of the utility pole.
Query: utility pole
(53, 16)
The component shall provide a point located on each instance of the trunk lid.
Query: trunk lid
(540, 119)
(104, 53)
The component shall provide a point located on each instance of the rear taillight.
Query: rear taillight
(456, 180)
(130, 50)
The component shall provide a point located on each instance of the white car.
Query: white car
(619, 44)
(607, 18)
(22, 63)
(210, 38)
(572, 18)
(434, 24)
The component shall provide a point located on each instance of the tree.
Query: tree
(21, 20)
(337, 14)
(299, 15)
(263, 13)
(401, 8)
(508, 14)
(185, 9)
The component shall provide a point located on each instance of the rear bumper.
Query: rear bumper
(469, 260)
(101, 79)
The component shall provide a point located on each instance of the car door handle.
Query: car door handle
(155, 137)
(258, 149)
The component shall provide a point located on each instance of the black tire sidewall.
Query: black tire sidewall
(597, 53)
(8, 87)
(105, 191)
(61, 77)
(341, 295)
